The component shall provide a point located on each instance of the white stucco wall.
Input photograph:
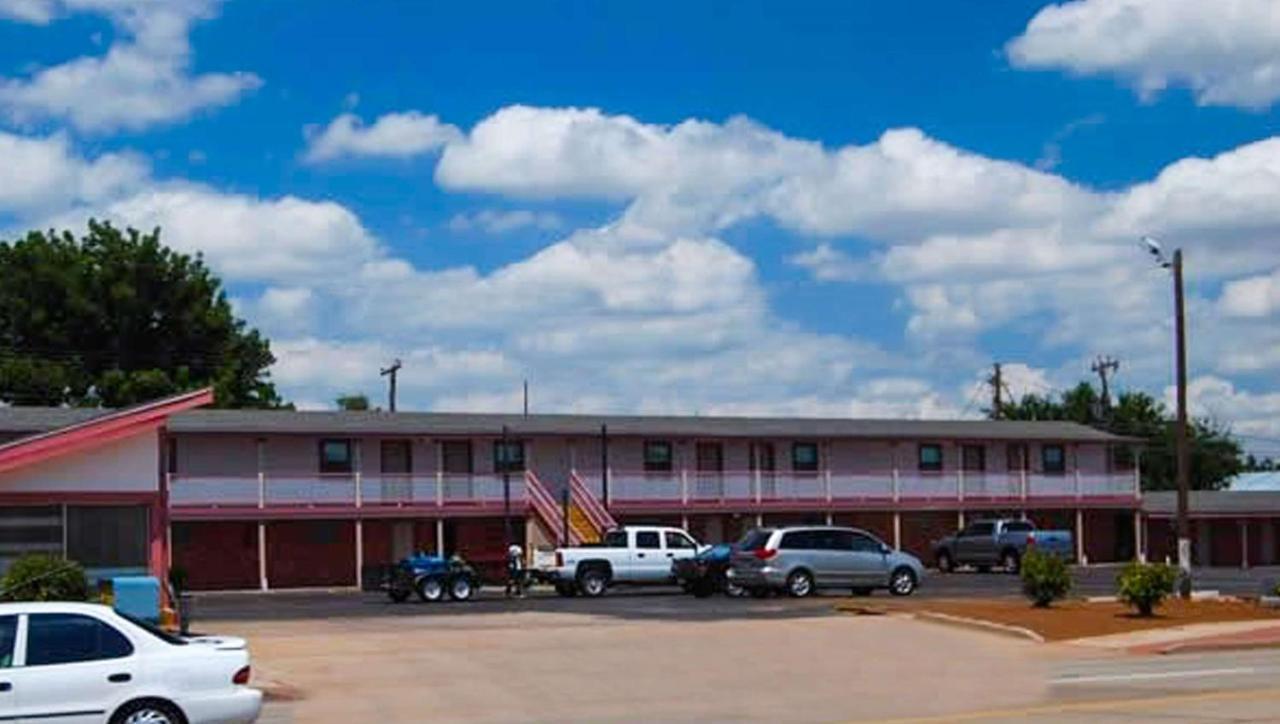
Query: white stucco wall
(127, 465)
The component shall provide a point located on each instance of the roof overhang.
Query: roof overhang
(98, 430)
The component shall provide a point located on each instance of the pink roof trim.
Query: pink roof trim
(98, 430)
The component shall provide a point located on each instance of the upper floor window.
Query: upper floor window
(336, 456)
(930, 457)
(804, 457)
(974, 458)
(710, 457)
(508, 457)
(396, 457)
(657, 456)
(1053, 458)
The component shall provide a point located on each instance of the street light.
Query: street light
(1180, 433)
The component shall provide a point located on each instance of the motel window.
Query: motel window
(974, 458)
(508, 457)
(657, 456)
(804, 457)
(930, 457)
(1053, 458)
(336, 456)
(29, 529)
(107, 536)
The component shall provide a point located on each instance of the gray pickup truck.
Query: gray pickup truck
(1002, 542)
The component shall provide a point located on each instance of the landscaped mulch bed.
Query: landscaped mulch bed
(1079, 619)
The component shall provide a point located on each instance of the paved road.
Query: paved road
(662, 602)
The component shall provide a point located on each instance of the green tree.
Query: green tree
(353, 402)
(115, 318)
(1216, 456)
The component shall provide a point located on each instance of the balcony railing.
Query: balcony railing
(634, 488)
(315, 490)
(641, 489)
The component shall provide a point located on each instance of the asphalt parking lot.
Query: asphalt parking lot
(658, 655)
(667, 602)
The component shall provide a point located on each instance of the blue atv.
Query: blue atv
(432, 578)
(705, 573)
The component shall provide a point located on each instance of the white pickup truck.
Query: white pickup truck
(636, 554)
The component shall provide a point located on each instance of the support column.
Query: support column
(440, 537)
(1244, 542)
(1139, 538)
(759, 520)
(897, 530)
(959, 520)
(359, 554)
(439, 475)
(829, 518)
(684, 522)
(262, 556)
(1080, 556)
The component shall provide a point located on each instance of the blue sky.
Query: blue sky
(810, 208)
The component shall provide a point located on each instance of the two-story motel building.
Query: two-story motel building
(246, 499)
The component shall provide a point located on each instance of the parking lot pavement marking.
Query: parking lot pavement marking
(1150, 675)
(1098, 706)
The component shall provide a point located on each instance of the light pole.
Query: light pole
(1183, 452)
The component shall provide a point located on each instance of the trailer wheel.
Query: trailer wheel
(431, 588)
(462, 588)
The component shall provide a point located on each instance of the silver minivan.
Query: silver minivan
(801, 560)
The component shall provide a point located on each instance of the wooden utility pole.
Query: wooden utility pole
(1184, 451)
(391, 392)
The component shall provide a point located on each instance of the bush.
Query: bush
(40, 577)
(1045, 578)
(1145, 585)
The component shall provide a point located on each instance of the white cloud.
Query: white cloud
(41, 174)
(1226, 51)
(143, 79)
(829, 264)
(1251, 414)
(1253, 297)
(39, 12)
(497, 221)
(245, 237)
(394, 135)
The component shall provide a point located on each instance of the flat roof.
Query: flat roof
(342, 422)
(1164, 503)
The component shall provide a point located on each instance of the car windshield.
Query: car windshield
(154, 630)
(754, 539)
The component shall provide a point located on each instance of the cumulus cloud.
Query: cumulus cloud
(39, 12)
(1227, 52)
(497, 221)
(826, 263)
(394, 135)
(143, 79)
(40, 174)
(1255, 415)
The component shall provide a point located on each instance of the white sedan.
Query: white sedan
(79, 662)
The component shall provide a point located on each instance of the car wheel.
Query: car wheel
(148, 711)
(1011, 561)
(800, 584)
(902, 582)
(431, 588)
(462, 588)
(733, 590)
(945, 564)
(593, 583)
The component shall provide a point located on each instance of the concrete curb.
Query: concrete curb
(981, 625)
(1195, 647)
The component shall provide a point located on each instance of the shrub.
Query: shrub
(1045, 578)
(1145, 585)
(40, 577)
